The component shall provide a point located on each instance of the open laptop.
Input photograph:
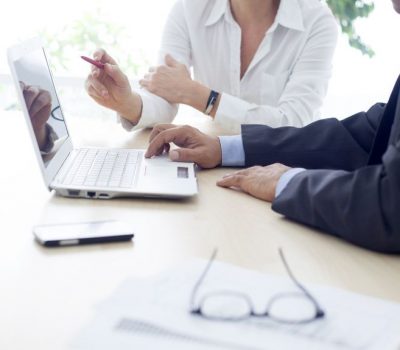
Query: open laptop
(90, 172)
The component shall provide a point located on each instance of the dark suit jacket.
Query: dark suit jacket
(352, 189)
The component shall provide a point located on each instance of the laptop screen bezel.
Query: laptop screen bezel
(51, 169)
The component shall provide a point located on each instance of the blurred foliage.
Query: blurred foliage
(347, 11)
(84, 35)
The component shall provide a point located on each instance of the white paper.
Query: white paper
(154, 314)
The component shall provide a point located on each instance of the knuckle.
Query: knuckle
(46, 95)
(90, 91)
(41, 99)
(187, 128)
(150, 87)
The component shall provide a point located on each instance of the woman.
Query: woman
(254, 61)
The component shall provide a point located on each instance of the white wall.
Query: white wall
(357, 81)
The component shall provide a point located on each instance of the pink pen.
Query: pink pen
(98, 64)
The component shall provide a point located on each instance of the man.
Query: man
(351, 188)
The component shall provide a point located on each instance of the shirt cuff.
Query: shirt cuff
(232, 150)
(285, 179)
(144, 120)
(154, 110)
(231, 111)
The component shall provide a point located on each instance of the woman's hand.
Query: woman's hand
(171, 81)
(110, 88)
(38, 102)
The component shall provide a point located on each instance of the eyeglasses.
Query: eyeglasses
(225, 305)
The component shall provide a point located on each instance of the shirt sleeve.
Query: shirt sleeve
(304, 89)
(176, 42)
(155, 110)
(232, 150)
(285, 179)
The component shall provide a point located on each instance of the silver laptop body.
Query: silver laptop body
(89, 172)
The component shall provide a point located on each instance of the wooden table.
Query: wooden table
(48, 295)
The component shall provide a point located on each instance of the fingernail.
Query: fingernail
(226, 175)
(174, 155)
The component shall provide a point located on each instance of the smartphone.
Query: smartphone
(82, 233)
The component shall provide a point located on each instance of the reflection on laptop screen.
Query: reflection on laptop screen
(42, 103)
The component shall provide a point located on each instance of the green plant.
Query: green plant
(347, 11)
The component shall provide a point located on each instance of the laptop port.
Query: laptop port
(91, 194)
(74, 193)
(104, 195)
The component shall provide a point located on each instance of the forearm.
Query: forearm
(131, 109)
(325, 144)
(155, 110)
(196, 95)
(41, 136)
(347, 204)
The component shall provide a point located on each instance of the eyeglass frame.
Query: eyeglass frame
(319, 312)
(53, 114)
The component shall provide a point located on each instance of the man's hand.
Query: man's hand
(170, 81)
(110, 87)
(195, 146)
(260, 182)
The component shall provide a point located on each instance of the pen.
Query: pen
(98, 64)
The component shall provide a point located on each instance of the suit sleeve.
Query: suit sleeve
(324, 144)
(359, 206)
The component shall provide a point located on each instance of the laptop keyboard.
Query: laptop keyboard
(102, 168)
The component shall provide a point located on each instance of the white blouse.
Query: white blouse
(286, 81)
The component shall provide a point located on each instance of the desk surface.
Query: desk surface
(47, 295)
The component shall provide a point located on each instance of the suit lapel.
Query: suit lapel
(386, 130)
(395, 133)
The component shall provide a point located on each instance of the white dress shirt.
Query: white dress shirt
(286, 80)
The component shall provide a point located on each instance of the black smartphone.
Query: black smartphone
(57, 235)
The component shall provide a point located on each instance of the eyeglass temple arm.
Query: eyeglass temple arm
(201, 278)
(297, 282)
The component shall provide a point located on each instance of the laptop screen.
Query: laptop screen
(42, 103)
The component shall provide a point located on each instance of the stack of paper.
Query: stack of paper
(154, 314)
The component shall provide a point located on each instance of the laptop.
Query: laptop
(88, 172)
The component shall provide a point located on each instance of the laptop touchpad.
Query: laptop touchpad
(166, 172)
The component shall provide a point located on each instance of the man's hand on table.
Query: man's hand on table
(258, 181)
